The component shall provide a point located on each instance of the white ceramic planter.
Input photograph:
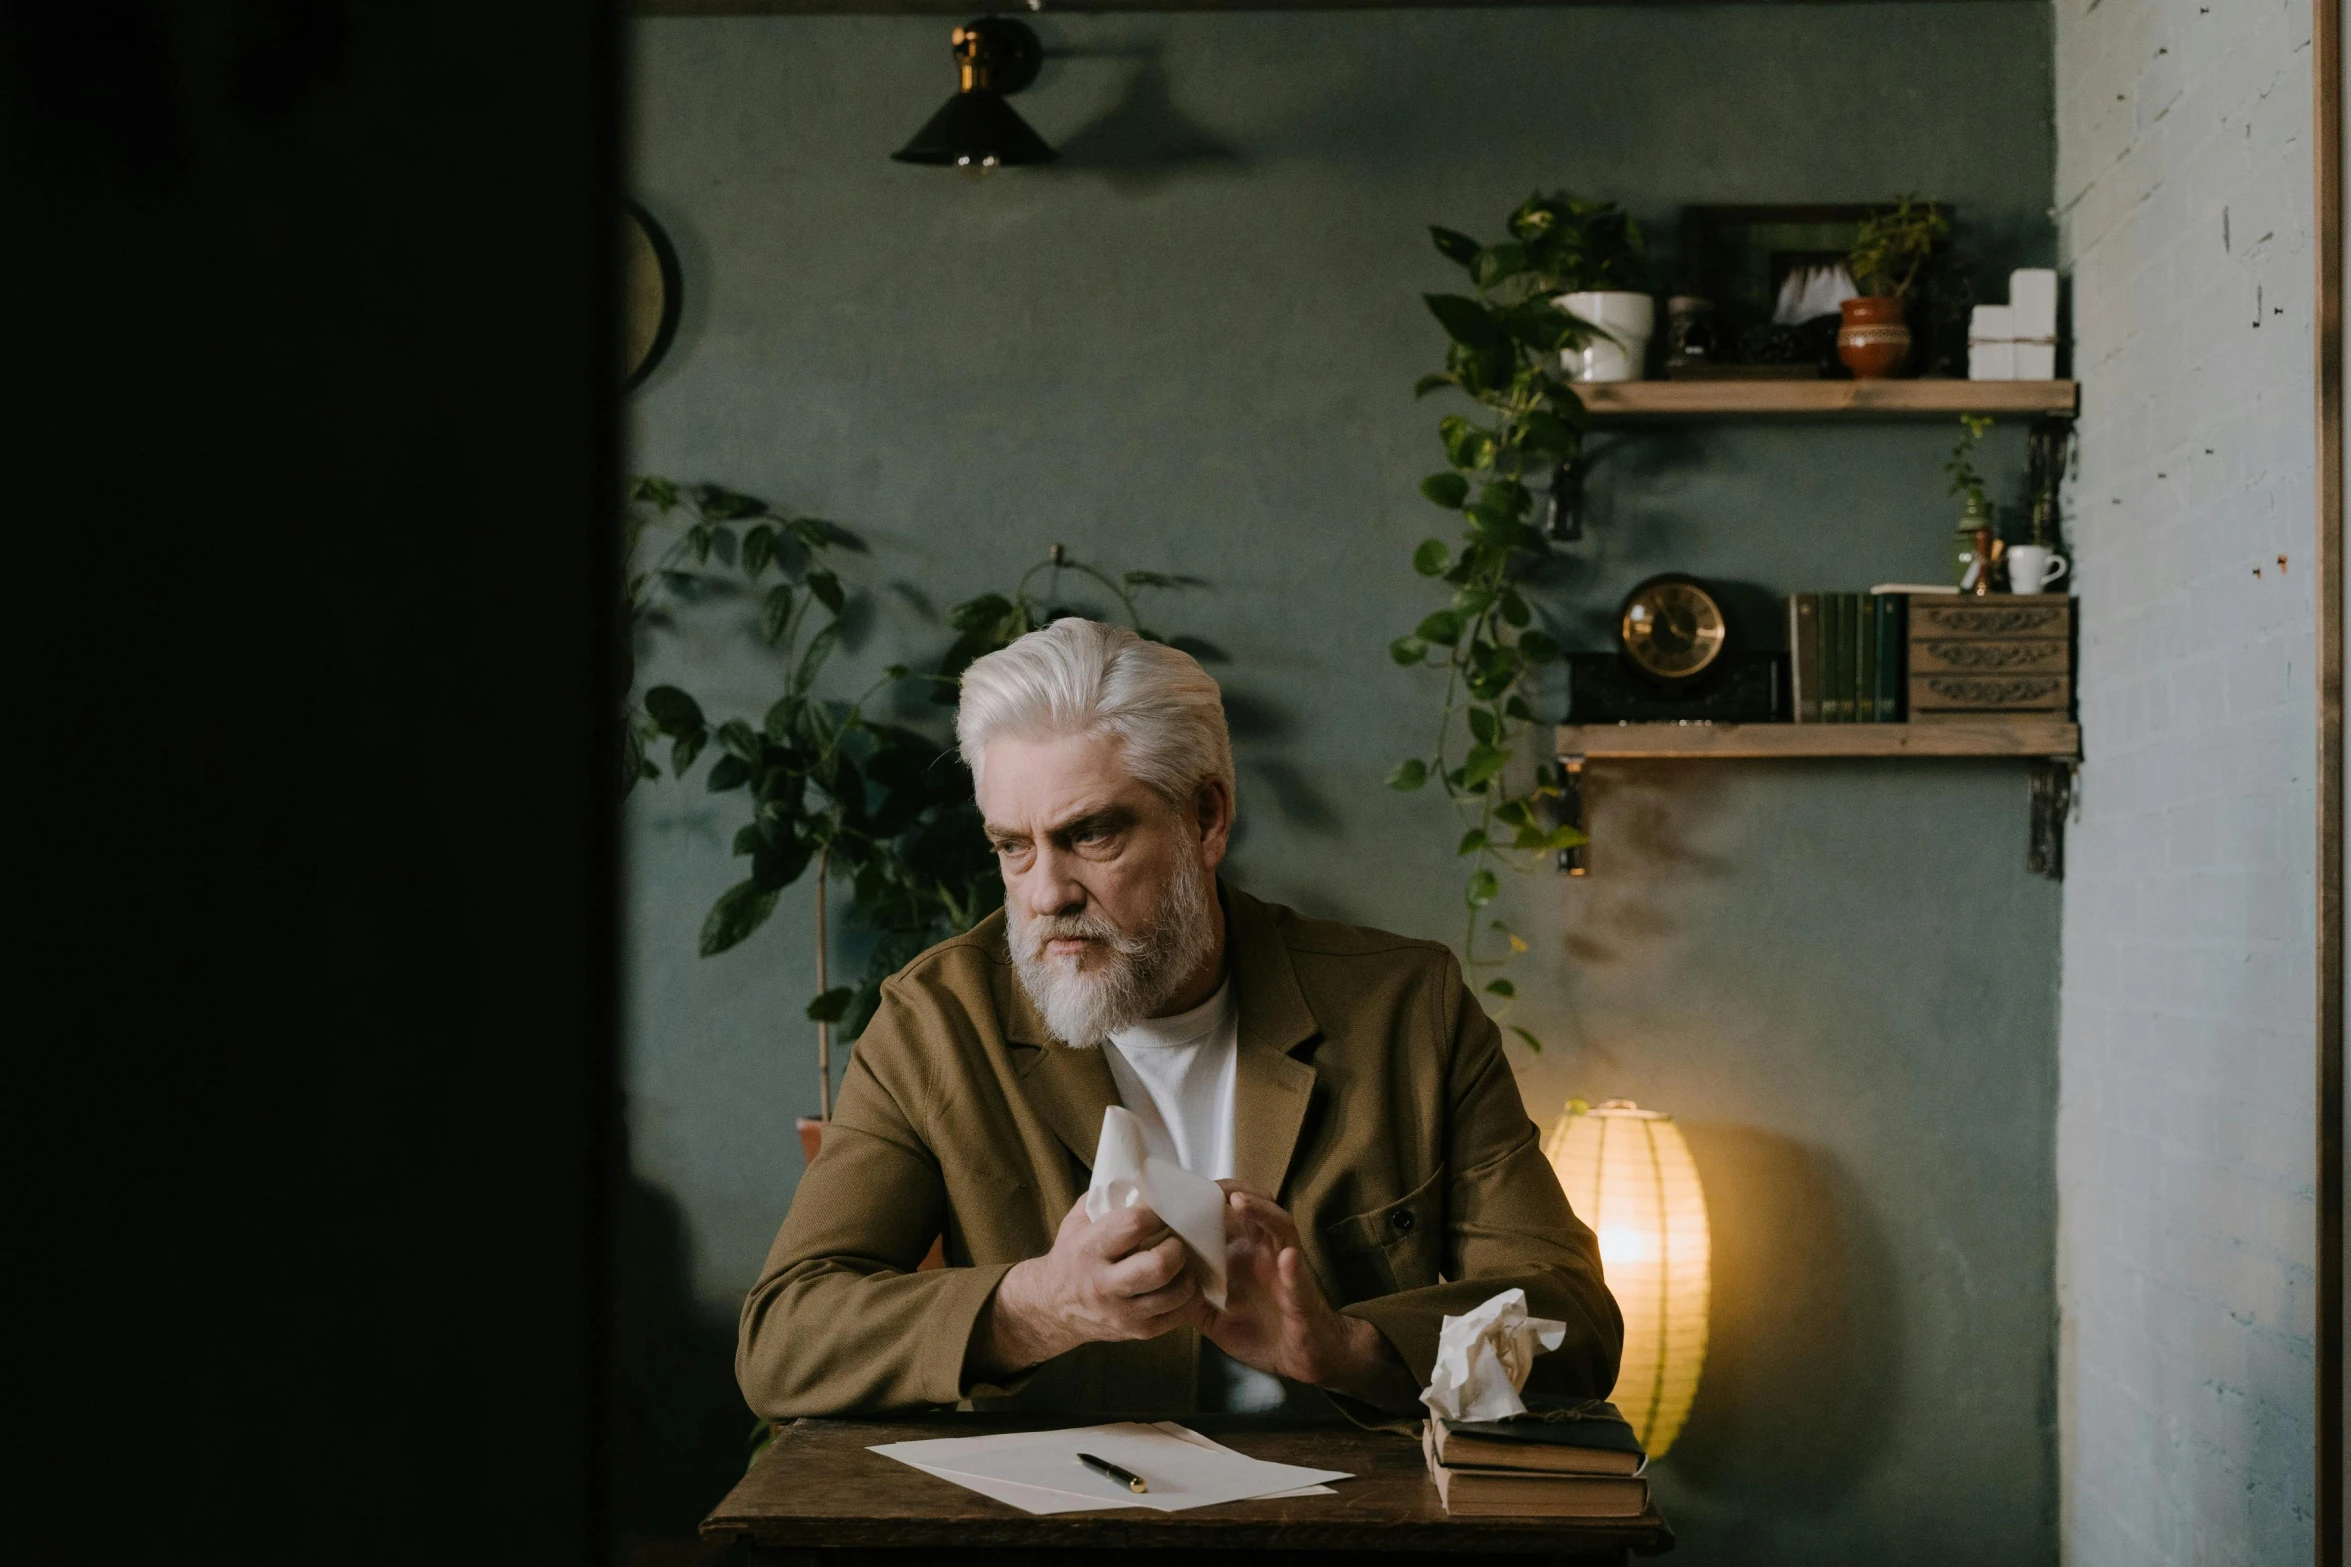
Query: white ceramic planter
(1626, 322)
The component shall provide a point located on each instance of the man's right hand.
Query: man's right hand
(1122, 1277)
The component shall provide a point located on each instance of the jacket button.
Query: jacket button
(1402, 1219)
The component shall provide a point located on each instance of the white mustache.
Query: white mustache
(1049, 928)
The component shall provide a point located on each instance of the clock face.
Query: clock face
(1672, 628)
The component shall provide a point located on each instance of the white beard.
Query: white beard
(1142, 971)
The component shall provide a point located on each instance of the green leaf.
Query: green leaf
(1484, 887)
(1536, 647)
(827, 589)
(828, 1007)
(820, 647)
(1548, 434)
(1515, 611)
(1483, 763)
(759, 547)
(1503, 988)
(661, 492)
(1432, 559)
(728, 772)
(1448, 490)
(1408, 650)
(683, 750)
(739, 911)
(722, 544)
(782, 720)
(698, 540)
(1430, 383)
(749, 839)
(1465, 320)
(1472, 841)
(1442, 628)
(1466, 446)
(1483, 724)
(1455, 245)
(1496, 262)
(741, 739)
(1409, 775)
(775, 613)
(676, 712)
(1529, 1040)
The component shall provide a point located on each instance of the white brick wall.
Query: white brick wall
(2185, 1170)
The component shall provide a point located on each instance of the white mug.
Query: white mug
(1624, 323)
(2032, 567)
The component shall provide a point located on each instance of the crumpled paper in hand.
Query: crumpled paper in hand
(1127, 1174)
(1484, 1356)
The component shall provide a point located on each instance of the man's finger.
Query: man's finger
(1146, 1270)
(1168, 1297)
(1125, 1230)
(1267, 1215)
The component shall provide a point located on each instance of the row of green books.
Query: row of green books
(1845, 657)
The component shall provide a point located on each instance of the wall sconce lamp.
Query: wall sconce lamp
(978, 131)
(1628, 1174)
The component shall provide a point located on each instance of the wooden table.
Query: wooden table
(816, 1495)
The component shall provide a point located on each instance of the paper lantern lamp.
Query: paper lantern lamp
(1628, 1174)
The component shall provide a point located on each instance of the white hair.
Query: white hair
(1081, 677)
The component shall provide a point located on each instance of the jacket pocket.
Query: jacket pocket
(1397, 1246)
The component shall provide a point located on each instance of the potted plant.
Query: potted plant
(1889, 251)
(1973, 547)
(1589, 256)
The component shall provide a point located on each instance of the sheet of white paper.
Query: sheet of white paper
(1197, 1440)
(1483, 1357)
(1182, 1473)
(1126, 1175)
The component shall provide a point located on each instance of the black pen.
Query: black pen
(1110, 1471)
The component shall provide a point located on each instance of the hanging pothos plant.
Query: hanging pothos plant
(1503, 355)
(829, 785)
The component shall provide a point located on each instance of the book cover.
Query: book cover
(1496, 1493)
(1836, 651)
(1890, 671)
(1586, 1436)
(1865, 659)
(1804, 657)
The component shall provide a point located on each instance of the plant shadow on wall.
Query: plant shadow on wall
(1802, 1391)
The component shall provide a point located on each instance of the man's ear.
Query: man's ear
(1212, 813)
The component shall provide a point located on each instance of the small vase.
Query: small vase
(1975, 526)
(1874, 339)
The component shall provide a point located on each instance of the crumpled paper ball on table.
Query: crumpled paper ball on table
(1127, 1174)
(1483, 1358)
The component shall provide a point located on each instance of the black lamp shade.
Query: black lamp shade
(976, 129)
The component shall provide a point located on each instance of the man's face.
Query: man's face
(1108, 890)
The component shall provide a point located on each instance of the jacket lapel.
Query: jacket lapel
(1271, 1087)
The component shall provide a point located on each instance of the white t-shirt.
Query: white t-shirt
(1176, 1075)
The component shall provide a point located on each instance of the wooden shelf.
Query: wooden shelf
(2027, 737)
(1627, 400)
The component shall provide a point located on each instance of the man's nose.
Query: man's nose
(1050, 889)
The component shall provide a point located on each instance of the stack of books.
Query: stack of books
(1570, 1461)
(1845, 657)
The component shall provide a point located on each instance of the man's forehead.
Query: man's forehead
(1040, 786)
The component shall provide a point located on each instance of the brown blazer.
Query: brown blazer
(1371, 1099)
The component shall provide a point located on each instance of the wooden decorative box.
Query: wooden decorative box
(2000, 653)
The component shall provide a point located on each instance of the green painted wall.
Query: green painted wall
(1190, 348)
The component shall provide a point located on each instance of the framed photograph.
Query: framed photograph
(1740, 257)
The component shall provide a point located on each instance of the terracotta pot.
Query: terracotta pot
(1874, 339)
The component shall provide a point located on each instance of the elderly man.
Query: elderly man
(1342, 1084)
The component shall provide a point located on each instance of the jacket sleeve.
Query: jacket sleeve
(1506, 1224)
(840, 1321)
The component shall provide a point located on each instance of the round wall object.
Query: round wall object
(649, 314)
(1672, 628)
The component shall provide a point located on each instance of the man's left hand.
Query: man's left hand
(1276, 1319)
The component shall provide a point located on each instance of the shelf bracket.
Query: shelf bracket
(2051, 784)
(1569, 812)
